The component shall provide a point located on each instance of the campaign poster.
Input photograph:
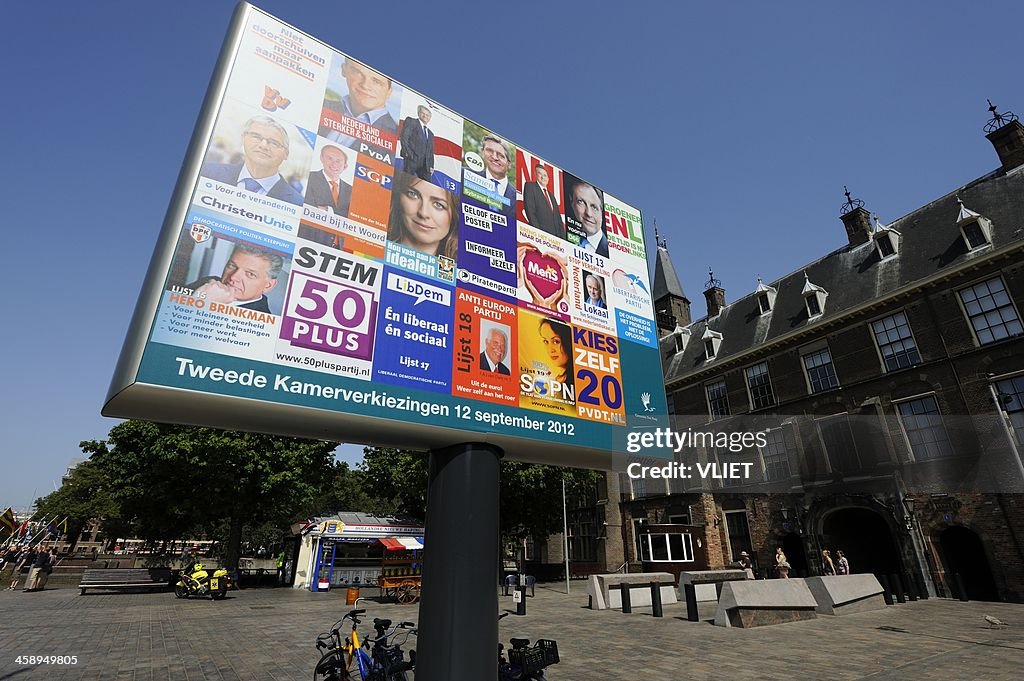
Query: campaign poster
(645, 391)
(371, 192)
(225, 289)
(485, 349)
(489, 170)
(539, 193)
(430, 142)
(330, 314)
(625, 230)
(329, 185)
(545, 371)
(414, 332)
(543, 270)
(598, 371)
(257, 163)
(584, 215)
(423, 228)
(356, 93)
(589, 292)
(281, 71)
(630, 298)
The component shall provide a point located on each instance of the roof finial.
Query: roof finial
(712, 282)
(659, 241)
(851, 204)
(998, 120)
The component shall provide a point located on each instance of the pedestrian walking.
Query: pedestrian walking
(844, 565)
(781, 564)
(25, 558)
(826, 563)
(39, 565)
(48, 560)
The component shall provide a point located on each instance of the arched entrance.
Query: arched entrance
(793, 547)
(963, 553)
(865, 538)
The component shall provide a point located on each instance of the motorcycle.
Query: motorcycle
(201, 583)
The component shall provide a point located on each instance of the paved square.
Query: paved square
(268, 634)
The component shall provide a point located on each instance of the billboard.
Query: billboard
(347, 258)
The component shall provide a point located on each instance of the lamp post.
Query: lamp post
(908, 516)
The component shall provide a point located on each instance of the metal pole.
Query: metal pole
(458, 639)
(565, 535)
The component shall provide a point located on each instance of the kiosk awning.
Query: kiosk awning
(402, 543)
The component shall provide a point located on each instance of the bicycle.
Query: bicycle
(384, 663)
(525, 662)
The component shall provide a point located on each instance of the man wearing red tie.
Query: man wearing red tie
(418, 144)
(540, 205)
(325, 188)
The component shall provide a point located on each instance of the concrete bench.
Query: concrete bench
(843, 594)
(754, 603)
(605, 590)
(707, 583)
(125, 578)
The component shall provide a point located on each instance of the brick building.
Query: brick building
(889, 378)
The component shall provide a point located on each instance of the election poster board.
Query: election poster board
(347, 258)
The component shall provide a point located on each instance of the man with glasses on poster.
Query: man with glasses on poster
(265, 145)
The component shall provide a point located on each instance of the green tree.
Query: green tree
(171, 480)
(531, 494)
(84, 495)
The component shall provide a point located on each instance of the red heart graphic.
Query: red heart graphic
(544, 272)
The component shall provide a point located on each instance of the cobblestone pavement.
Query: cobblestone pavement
(268, 634)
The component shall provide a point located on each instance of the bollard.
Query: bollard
(690, 591)
(958, 579)
(922, 588)
(627, 607)
(521, 605)
(886, 589)
(656, 599)
(897, 588)
(910, 587)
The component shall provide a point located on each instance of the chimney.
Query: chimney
(856, 220)
(714, 294)
(1006, 134)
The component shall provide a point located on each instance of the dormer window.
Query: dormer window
(885, 248)
(887, 240)
(712, 343)
(682, 337)
(814, 298)
(975, 229)
(765, 297)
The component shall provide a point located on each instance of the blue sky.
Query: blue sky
(735, 125)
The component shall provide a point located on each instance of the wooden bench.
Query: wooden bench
(125, 578)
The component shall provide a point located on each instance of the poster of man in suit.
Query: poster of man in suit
(540, 184)
(360, 109)
(259, 154)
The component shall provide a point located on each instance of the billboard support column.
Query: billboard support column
(458, 627)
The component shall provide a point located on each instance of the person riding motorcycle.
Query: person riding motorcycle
(200, 582)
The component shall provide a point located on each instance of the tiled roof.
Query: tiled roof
(931, 242)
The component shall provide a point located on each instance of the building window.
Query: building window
(764, 303)
(813, 308)
(760, 386)
(1011, 399)
(922, 422)
(820, 372)
(718, 400)
(776, 458)
(974, 235)
(885, 248)
(676, 548)
(895, 342)
(991, 311)
(639, 487)
(583, 535)
(709, 349)
(639, 539)
(679, 519)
